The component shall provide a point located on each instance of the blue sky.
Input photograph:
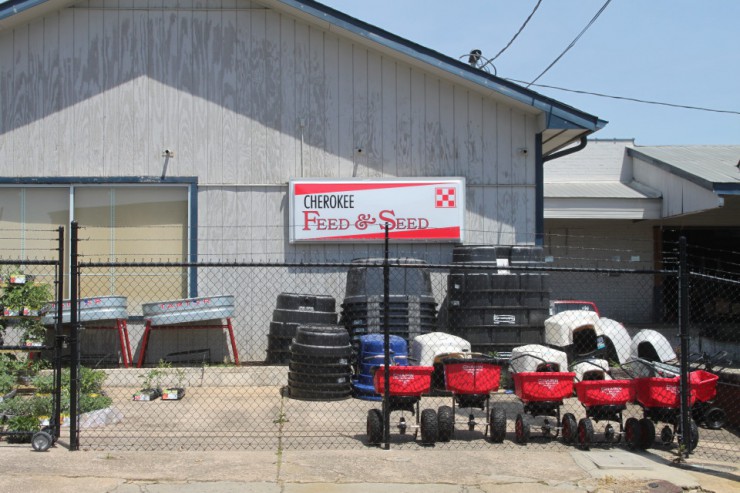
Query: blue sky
(674, 51)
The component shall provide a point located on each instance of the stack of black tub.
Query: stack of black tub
(294, 309)
(496, 299)
(319, 368)
(412, 309)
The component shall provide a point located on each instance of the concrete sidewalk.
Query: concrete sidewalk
(521, 469)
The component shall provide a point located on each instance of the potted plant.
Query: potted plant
(175, 377)
(23, 297)
(150, 386)
(34, 332)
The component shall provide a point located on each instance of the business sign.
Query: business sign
(431, 210)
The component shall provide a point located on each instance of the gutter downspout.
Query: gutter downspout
(540, 160)
(581, 145)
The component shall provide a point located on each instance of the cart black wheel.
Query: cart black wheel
(497, 424)
(374, 426)
(632, 433)
(694, 434)
(694, 430)
(41, 441)
(666, 435)
(429, 429)
(522, 428)
(585, 433)
(445, 423)
(569, 428)
(714, 419)
(647, 434)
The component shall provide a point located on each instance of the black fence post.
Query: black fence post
(58, 340)
(387, 344)
(74, 342)
(685, 437)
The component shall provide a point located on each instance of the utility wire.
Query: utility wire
(572, 43)
(517, 33)
(624, 98)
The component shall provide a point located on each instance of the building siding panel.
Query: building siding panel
(612, 245)
(227, 91)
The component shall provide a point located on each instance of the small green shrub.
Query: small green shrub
(41, 405)
(91, 398)
(44, 383)
(28, 424)
(18, 406)
(11, 365)
(7, 383)
(91, 381)
(93, 402)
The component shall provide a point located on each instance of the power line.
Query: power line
(518, 32)
(624, 98)
(572, 43)
(475, 56)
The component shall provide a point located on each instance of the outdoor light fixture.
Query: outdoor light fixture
(474, 57)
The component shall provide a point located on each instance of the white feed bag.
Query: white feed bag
(618, 335)
(660, 345)
(591, 369)
(528, 358)
(559, 328)
(426, 347)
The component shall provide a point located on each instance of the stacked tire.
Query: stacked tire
(319, 368)
(492, 306)
(412, 309)
(293, 310)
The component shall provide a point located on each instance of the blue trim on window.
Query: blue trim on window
(93, 180)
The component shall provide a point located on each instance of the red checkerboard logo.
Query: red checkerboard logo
(444, 198)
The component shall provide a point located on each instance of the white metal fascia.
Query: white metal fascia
(589, 208)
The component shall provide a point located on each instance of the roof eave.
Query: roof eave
(674, 170)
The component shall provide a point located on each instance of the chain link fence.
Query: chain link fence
(502, 347)
(482, 354)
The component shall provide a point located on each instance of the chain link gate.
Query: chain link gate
(33, 393)
(309, 337)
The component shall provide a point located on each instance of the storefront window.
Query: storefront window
(133, 224)
(117, 224)
(29, 218)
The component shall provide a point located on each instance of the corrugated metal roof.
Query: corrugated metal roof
(600, 190)
(712, 165)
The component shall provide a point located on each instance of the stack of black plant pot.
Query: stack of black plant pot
(293, 310)
(493, 303)
(412, 309)
(319, 368)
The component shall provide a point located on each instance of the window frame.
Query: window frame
(191, 183)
